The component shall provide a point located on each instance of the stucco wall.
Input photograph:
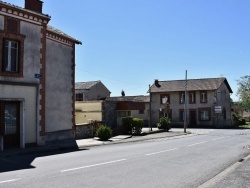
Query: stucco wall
(223, 99)
(58, 87)
(31, 58)
(28, 95)
(96, 92)
(87, 111)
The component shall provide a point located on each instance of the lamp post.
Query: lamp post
(185, 105)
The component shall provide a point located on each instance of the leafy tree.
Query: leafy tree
(243, 91)
(123, 93)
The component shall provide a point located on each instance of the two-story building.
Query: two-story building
(37, 77)
(92, 90)
(207, 102)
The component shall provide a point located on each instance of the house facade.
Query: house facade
(207, 102)
(131, 106)
(93, 90)
(37, 73)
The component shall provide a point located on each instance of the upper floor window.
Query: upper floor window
(192, 97)
(182, 97)
(11, 49)
(10, 58)
(203, 96)
(165, 98)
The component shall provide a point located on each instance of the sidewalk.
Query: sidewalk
(90, 142)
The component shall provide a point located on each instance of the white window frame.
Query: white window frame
(12, 56)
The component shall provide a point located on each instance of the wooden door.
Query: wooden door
(10, 123)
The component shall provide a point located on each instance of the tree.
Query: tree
(123, 93)
(243, 91)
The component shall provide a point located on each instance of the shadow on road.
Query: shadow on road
(19, 159)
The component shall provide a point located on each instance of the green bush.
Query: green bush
(104, 132)
(238, 120)
(137, 125)
(127, 124)
(164, 123)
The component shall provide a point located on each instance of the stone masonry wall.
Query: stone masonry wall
(84, 131)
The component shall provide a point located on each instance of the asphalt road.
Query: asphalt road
(189, 161)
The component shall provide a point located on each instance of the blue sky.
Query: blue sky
(129, 43)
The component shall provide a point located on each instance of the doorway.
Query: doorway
(10, 123)
(193, 118)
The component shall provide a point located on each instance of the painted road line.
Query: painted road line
(197, 143)
(218, 138)
(8, 181)
(162, 151)
(99, 164)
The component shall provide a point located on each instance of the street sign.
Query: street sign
(218, 109)
(38, 75)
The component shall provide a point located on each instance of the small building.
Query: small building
(93, 90)
(207, 102)
(131, 106)
(37, 73)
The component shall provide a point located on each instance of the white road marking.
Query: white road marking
(218, 138)
(161, 151)
(8, 181)
(78, 168)
(197, 143)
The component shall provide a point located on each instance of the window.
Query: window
(165, 98)
(11, 49)
(224, 112)
(182, 97)
(124, 113)
(204, 114)
(79, 97)
(141, 111)
(181, 115)
(10, 58)
(192, 97)
(203, 96)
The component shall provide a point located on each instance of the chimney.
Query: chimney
(157, 83)
(34, 5)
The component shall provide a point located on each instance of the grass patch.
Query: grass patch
(247, 126)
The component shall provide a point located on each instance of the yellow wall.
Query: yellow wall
(87, 111)
(27, 96)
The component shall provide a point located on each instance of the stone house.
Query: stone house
(37, 73)
(131, 106)
(88, 91)
(109, 112)
(207, 102)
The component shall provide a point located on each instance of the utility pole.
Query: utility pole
(185, 105)
(149, 113)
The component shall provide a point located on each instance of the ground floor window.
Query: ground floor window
(204, 114)
(124, 113)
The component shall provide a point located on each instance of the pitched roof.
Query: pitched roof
(139, 98)
(192, 85)
(59, 32)
(85, 85)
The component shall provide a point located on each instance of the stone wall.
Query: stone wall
(84, 131)
(109, 114)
